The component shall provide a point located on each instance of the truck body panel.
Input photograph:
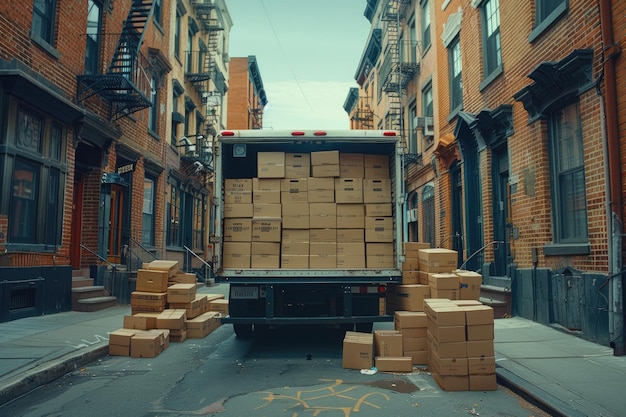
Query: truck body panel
(280, 295)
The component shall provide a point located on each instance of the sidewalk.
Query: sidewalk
(567, 375)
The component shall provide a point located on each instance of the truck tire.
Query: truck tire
(243, 331)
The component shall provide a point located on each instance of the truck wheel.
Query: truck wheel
(243, 331)
(365, 327)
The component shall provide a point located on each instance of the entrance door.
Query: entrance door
(77, 220)
(115, 224)
(500, 178)
(457, 211)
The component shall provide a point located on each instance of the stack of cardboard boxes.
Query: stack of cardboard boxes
(165, 307)
(412, 327)
(388, 345)
(318, 210)
(460, 341)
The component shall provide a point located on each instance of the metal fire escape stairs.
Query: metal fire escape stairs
(127, 83)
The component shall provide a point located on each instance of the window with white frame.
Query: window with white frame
(492, 54)
(455, 69)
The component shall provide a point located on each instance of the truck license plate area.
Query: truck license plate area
(244, 293)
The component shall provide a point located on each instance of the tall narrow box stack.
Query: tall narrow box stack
(413, 327)
(410, 266)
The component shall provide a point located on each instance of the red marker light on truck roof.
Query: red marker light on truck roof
(320, 133)
(228, 133)
(389, 133)
(297, 133)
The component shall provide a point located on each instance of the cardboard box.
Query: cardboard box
(237, 190)
(394, 364)
(194, 308)
(236, 255)
(449, 294)
(387, 343)
(475, 315)
(267, 211)
(452, 382)
(295, 216)
(351, 165)
(325, 158)
(265, 255)
(411, 264)
(148, 299)
(147, 344)
(438, 260)
(121, 337)
(446, 334)
(265, 230)
(140, 321)
(444, 281)
(376, 166)
(271, 165)
(411, 344)
(171, 319)
(181, 293)
(183, 278)
(483, 382)
(266, 190)
(482, 366)
(149, 280)
(294, 190)
(294, 261)
(478, 348)
(323, 255)
(480, 332)
(409, 319)
(358, 349)
(322, 235)
(350, 235)
(448, 366)
(350, 216)
(376, 191)
(220, 306)
(294, 248)
(117, 350)
(414, 247)
(321, 171)
(322, 216)
(295, 235)
(321, 190)
(378, 210)
(350, 255)
(203, 325)
(379, 255)
(349, 190)
(379, 229)
(414, 332)
(469, 282)
(237, 230)
(410, 277)
(411, 297)
(446, 315)
(447, 349)
(418, 357)
(297, 165)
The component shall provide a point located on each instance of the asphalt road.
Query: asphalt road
(289, 372)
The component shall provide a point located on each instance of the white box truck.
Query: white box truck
(307, 226)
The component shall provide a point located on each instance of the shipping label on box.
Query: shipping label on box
(266, 230)
(349, 190)
(376, 191)
(237, 230)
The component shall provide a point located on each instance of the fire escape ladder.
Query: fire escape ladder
(390, 70)
(127, 84)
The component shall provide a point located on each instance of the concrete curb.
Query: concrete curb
(39, 376)
(537, 396)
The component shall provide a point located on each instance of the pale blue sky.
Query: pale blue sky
(307, 53)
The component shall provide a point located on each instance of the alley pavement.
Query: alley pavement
(562, 373)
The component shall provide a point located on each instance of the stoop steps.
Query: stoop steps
(87, 297)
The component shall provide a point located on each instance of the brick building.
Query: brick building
(522, 173)
(247, 97)
(95, 99)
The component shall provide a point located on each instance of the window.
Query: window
(157, 12)
(43, 20)
(455, 68)
(568, 173)
(24, 199)
(413, 129)
(177, 36)
(426, 25)
(413, 40)
(189, 62)
(92, 51)
(427, 100)
(148, 218)
(173, 229)
(428, 214)
(490, 13)
(198, 224)
(153, 115)
(547, 12)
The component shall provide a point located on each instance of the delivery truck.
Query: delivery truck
(307, 226)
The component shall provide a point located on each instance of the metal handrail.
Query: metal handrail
(495, 242)
(205, 263)
(136, 242)
(112, 265)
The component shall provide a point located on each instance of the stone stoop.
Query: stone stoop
(498, 298)
(87, 297)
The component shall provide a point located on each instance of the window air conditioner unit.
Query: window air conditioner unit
(411, 215)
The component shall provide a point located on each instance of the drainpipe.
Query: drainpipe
(612, 162)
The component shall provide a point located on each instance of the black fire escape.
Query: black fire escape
(127, 83)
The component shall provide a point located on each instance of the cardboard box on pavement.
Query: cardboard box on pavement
(388, 343)
(152, 280)
(181, 293)
(394, 363)
(358, 349)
